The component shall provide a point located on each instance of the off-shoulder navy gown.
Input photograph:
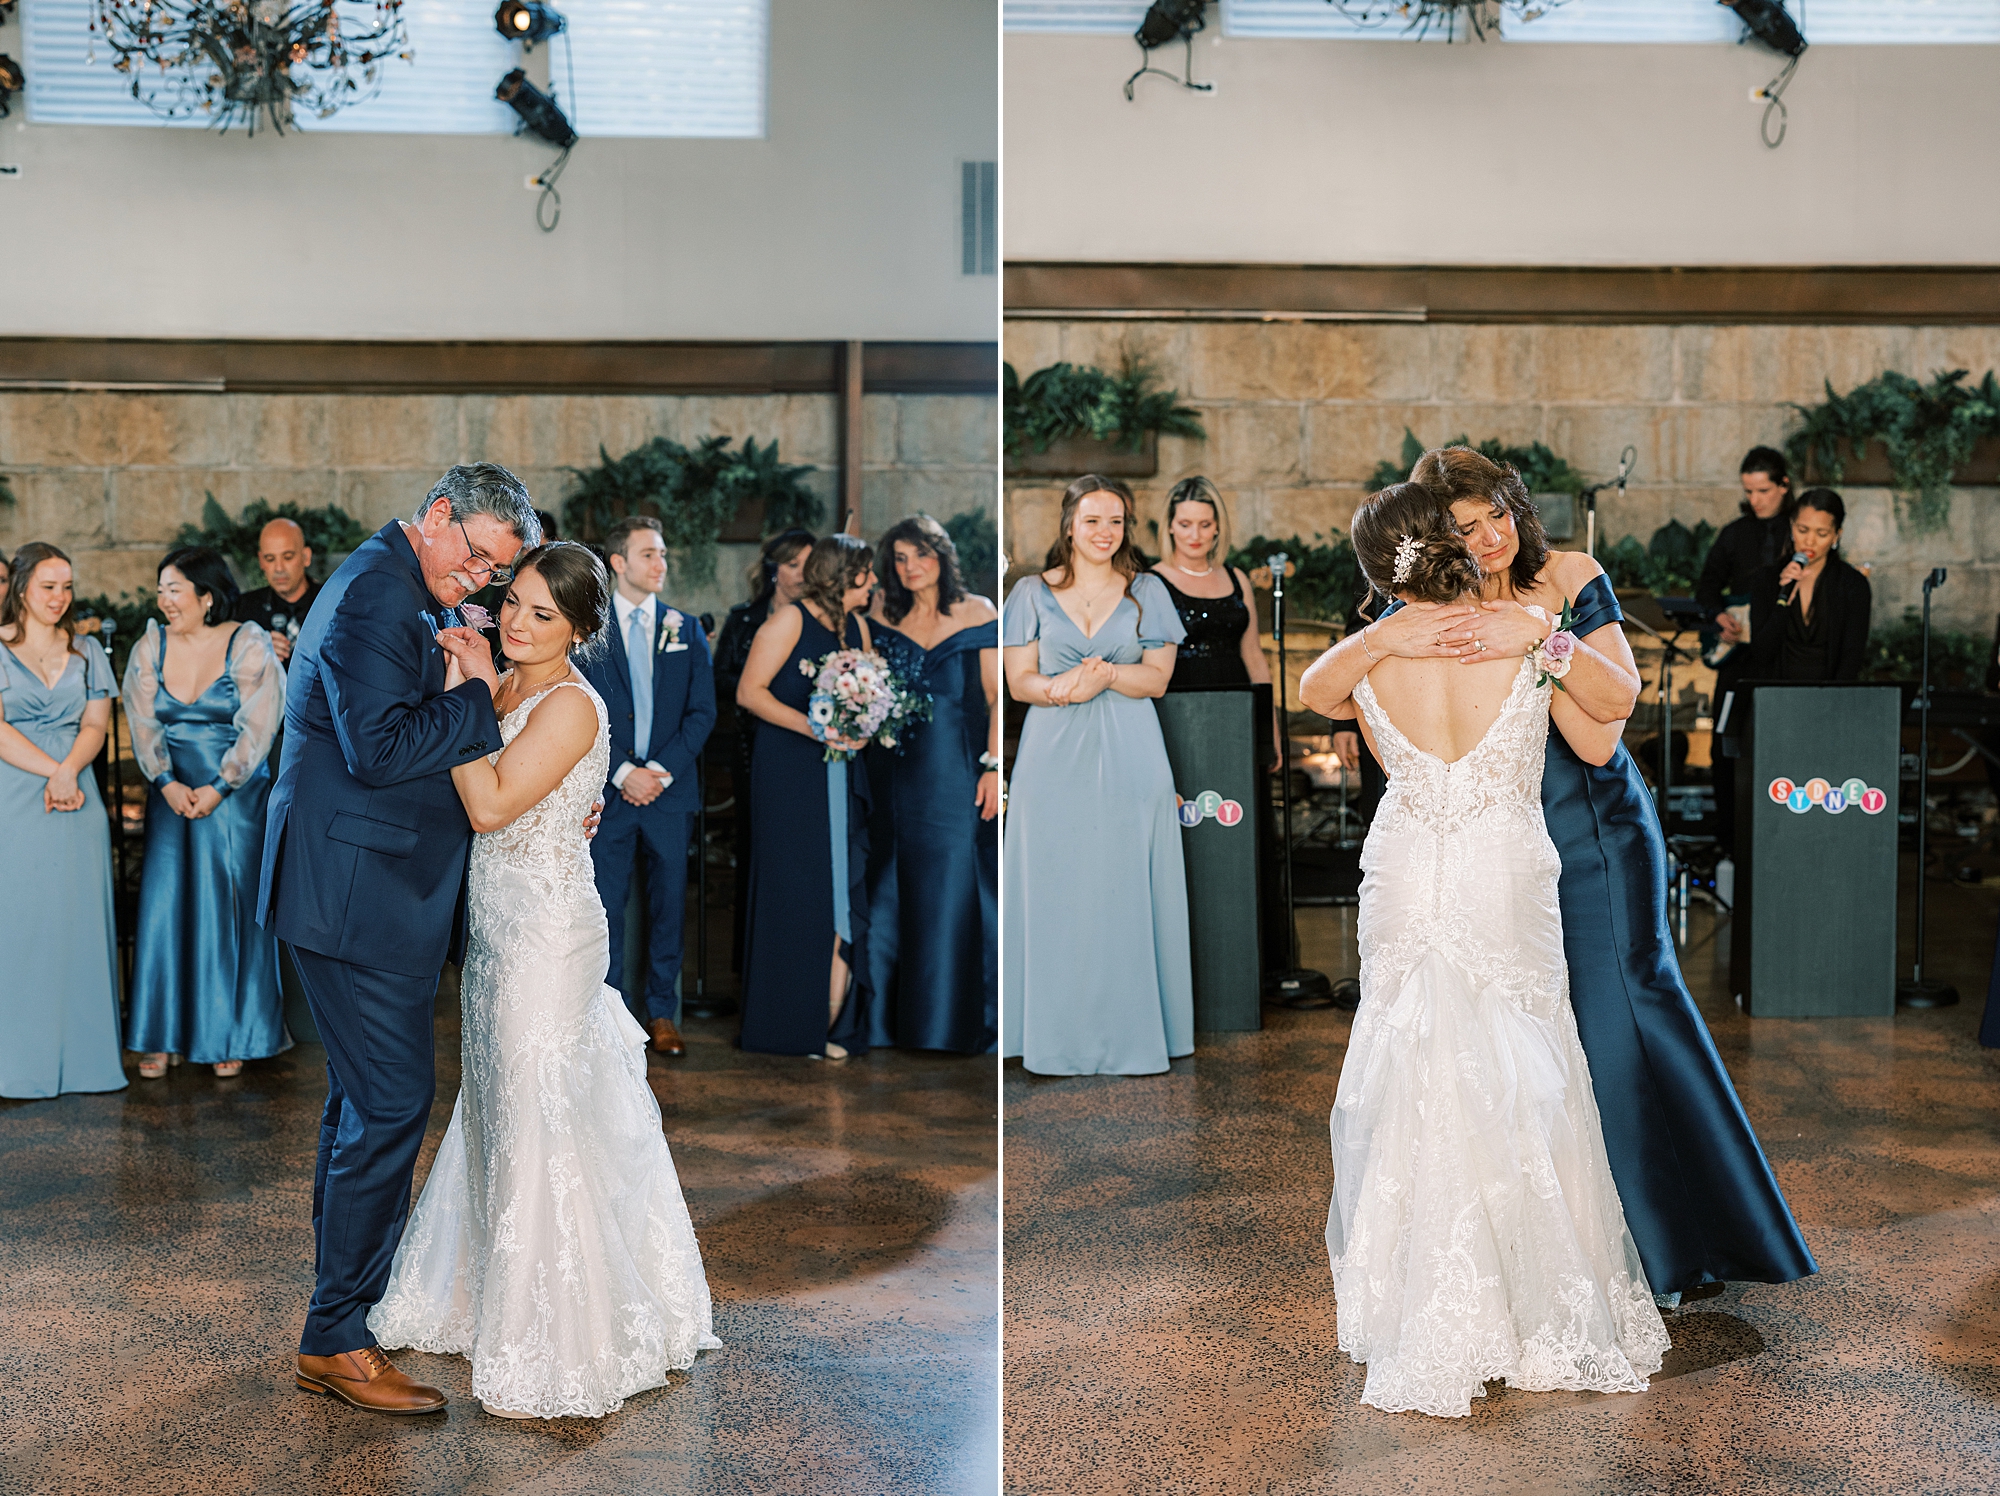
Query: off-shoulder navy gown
(933, 874)
(1699, 1196)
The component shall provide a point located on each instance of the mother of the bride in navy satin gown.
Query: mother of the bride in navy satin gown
(1698, 1193)
(934, 863)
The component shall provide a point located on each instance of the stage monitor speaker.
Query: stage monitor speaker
(1213, 738)
(1814, 928)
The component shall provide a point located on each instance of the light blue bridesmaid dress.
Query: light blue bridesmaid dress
(1096, 936)
(204, 976)
(58, 939)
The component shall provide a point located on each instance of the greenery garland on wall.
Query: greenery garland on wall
(1540, 468)
(1070, 400)
(977, 540)
(1927, 430)
(693, 491)
(330, 533)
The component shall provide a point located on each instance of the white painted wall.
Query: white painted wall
(1371, 152)
(842, 223)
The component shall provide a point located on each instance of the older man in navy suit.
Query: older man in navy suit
(365, 855)
(658, 685)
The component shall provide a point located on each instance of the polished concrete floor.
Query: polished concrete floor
(1170, 1320)
(155, 1259)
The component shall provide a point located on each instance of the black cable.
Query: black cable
(1774, 93)
(547, 182)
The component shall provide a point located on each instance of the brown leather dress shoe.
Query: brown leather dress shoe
(368, 1379)
(666, 1038)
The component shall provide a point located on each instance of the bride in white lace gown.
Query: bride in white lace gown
(551, 1245)
(1475, 1232)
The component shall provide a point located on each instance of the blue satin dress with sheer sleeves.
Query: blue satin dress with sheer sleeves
(934, 867)
(1698, 1192)
(808, 872)
(204, 975)
(59, 997)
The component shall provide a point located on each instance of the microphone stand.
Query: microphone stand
(1295, 986)
(1669, 652)
(1589, 497)
(1918, 992)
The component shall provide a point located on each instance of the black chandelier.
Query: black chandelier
(245, 61)
(1455, 18)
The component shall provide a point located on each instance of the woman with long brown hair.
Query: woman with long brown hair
(1097, 969)
(807, 895)
(59, 1004)
(933, 855)
(1697, 1192)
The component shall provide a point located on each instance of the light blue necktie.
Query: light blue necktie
(639, 654)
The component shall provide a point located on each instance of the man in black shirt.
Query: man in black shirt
(1759, 538)
(283, 554)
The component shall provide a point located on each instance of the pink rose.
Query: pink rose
(1559, 645)
(476, 616)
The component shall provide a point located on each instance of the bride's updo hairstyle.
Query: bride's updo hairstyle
(1455, 474)
(578, 583)
(1441, 569)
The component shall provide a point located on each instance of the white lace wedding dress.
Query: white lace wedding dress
(1475, 1231)
(551, 1245)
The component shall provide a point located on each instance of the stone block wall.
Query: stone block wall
(111, 477)
(1299, 414)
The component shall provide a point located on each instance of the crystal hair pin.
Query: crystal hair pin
(1407, 551)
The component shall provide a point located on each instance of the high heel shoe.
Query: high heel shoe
(228, 1069)
(152, 1066)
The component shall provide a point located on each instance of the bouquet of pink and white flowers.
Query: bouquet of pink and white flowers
(857, 696)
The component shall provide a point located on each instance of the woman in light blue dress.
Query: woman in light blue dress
(205, 696)
(1097, 972)
(59, 1000)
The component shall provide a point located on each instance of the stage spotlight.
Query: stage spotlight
(538, 111)
(1166, 20)
(1169, 20)
(1767, 21)
(527, 21)
(12, 81)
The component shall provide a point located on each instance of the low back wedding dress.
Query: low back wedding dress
(1475, 1231)
(551, 1245)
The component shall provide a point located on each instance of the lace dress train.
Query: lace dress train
(551, 1245)
(1475, 1232)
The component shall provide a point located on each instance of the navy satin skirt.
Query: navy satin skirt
(1699, 1196)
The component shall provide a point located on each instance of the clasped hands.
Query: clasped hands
(62, 792)
(192, 804)
(1080, 683)
(1466, 631)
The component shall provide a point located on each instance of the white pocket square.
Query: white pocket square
(671, 648)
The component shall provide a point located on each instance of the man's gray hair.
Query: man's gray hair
(486, 488)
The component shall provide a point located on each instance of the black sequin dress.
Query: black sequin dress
(1212, 652)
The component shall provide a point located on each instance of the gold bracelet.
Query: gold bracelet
(1373, 658)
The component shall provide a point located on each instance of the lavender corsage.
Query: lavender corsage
(1554, 655)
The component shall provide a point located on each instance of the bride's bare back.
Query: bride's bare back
(1443, 707)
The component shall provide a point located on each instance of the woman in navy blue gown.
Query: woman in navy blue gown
(807, 914)
(933, 873)
(205, 697)
(1698, 1194)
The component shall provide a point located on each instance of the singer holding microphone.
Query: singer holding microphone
(1809, 616)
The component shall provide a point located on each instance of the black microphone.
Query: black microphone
(1792, 591)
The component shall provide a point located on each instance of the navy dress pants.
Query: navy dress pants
(662, 835)
(381, 1075)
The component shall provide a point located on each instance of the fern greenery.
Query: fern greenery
(692, 491)
(330, 532)
(1068, 400)
(1540, 469)
(1928, 431)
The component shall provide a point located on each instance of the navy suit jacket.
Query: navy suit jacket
(683, 705)
(366, 843)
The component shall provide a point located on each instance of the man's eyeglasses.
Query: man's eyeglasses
(478, 565)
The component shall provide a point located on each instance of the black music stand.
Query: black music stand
(1920, 991)
(1294, 985)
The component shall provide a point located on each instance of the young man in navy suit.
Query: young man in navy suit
(659, 686)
